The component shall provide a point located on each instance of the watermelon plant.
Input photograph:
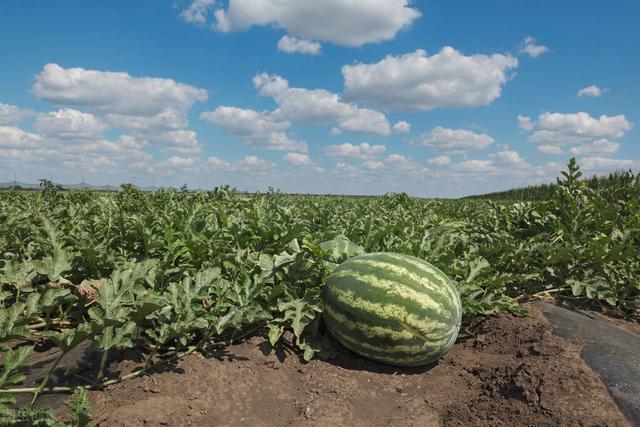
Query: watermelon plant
(173, 272)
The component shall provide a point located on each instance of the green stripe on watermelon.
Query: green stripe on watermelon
(389, 313)
(431, 273)
(429, 269)
(357, 314)
(387, 343)
(395, 333)
(373, 291)
(398, 281)
(399, 358)
(431, 278)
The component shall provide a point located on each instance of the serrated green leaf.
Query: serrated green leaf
(54, 265)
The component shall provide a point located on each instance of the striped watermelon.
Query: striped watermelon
(392, 308)
(340, 249)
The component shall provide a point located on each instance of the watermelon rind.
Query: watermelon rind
(392, 308)
(340, 248)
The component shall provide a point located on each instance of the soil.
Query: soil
(513, 371)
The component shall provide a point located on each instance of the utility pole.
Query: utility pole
(15, 180)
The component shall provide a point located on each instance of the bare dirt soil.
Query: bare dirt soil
(513, 371)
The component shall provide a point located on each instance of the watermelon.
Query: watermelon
(392, 308)
(340, 249)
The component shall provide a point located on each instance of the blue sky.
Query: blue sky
(433, 98)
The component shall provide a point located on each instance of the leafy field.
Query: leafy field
(173, 272)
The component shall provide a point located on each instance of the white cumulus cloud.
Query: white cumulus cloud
(319, 106)
(290, 44)
(562, 129)
(151, 109)
(605, 164)
(123, 148)
(454, 140)
(512, 159)
(302, 161)
(477, 166)
(176, 162)
(254, 163)
(345, 169)
(297, 159)
(503, 164)
(525, 123)
(348, 23)
(12, 115)
(362, 151)
(16, 138)
(84, 154)
(217, 163)
(114, 92)
(241, 121)
(178, 141)
(601, 147)
(402, 127)
(440, 161)
(198, 11)
(418, 82)
(399, 163)
(532, 49)
(592, 91)
(549, 149)
(257, 128)
(168, 119)
(249, 164)
(70, 124)
(373, 164)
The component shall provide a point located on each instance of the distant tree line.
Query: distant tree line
(612, 181)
